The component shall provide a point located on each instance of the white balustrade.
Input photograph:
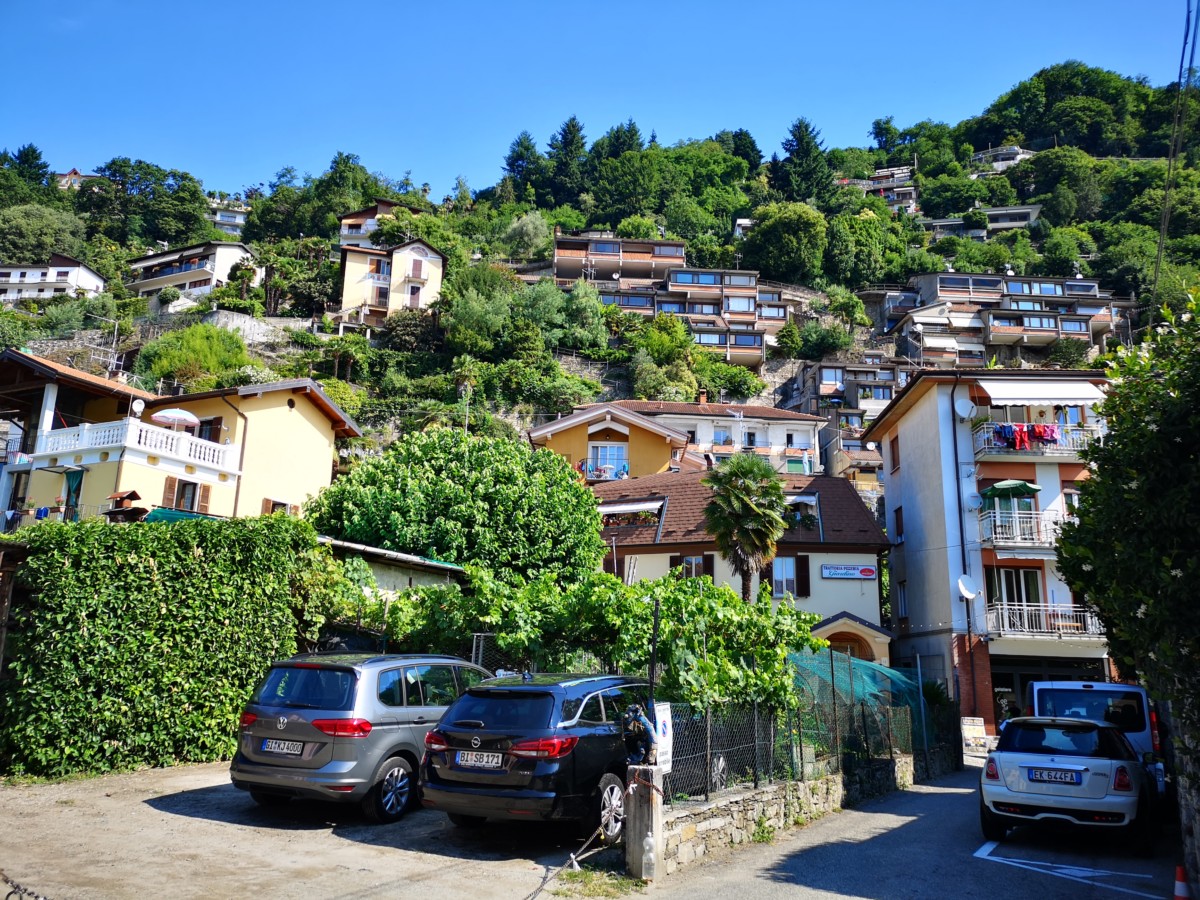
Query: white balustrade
(135, 433)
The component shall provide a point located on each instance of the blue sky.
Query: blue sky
(232, 92)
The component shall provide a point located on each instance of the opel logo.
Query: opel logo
(281, 723)
(475, 742)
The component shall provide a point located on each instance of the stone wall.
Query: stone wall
(695, 830)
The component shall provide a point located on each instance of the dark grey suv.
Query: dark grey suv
(347, 727)
(535, 747)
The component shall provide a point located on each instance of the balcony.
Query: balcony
(380, 277)
(1035, 530)
(1042, 620)
(1001, 439)
(136, 435)
(144, 275)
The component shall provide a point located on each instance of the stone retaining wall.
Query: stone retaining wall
(694, 830)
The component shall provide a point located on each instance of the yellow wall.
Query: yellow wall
(356, 289)
(431, 270)
(398, 577)
(649, 453)
(288, 452)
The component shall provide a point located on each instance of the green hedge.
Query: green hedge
(138, 644)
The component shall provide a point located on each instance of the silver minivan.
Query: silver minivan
(1127, 706)
(348, 727)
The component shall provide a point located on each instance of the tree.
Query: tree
(528, 237)
(524, 163)
(28, 165)
(787, 242)
(1137, 574)
(854, 254)
(134, 201)
(885, 134)
(584, 314)
(849, 308)
(191, 353)
(642, 227)
(568, 153)
(29, 234)
(459, 499)
(804, 173)
(473, 321)
(746, 514)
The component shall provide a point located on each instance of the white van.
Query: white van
(1127, 706)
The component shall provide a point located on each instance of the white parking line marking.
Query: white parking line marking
(1071, 873)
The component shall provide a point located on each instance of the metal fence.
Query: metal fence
(851, 712)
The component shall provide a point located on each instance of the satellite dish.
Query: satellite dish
(616, 276)
(870, 445)
(918, 328)
(974, 501)
(967, 587)
(137, 407)
(964, 408)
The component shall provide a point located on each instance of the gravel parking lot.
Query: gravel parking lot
(187, 832)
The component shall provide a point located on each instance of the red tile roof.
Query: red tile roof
(83, 379)
(845, 520)
(662, 407)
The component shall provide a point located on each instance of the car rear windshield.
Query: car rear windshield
(1125, 709)
(504, 710)
(1064, 740)
(307, 687)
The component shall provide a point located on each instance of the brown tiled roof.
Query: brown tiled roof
(84, 379)
(845, 520)
(661, 407)
(865, 456)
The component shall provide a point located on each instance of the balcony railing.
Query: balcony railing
(1042, 619)
(380, 277)
(1050, 440)
(174, 270)
(135, 433)
(1021, 529)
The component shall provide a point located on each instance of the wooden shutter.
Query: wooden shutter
(170, 486)
(709, 565)
(767, 576)
(608, 566)
(267, 505)
(803, 578)
(202, 503)
(675, 562)
(214, 429)
(295, 509)
(416, 268)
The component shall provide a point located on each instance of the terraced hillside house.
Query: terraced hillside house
(827, 562)
(61, 275)
(194, 270)
(78, 444)
(634, 438)
(379, 282)
(355, 228)
(980, 469)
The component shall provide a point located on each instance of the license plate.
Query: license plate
(478, 760)
(1054, 776)
(288, 748)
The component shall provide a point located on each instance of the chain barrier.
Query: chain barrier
(16, 891)
(571, 863)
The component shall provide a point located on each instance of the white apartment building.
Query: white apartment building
(61, 275)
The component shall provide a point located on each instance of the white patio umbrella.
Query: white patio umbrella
(174, 417)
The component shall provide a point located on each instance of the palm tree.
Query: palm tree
(746, 514)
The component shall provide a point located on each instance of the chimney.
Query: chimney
(703, 395)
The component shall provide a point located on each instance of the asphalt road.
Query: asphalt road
(925, 843)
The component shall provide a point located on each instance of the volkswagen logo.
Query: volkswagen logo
(281, 723)
(475, 742)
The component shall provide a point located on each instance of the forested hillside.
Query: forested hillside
(1100, 174)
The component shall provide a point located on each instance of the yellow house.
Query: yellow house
(76, 440)
(377, 283)
(607, 442)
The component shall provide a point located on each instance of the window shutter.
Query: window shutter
(416, 268)
(803, 579)
(202, 503)
(267, 505)
(295, 509)
(170, 486)
(675, 562)
(767, 576)
(214, 429)
(608, 566)
(709, 565)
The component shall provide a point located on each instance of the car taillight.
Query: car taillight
(1154, 735)
(991, 771)
(1122, 781)
(436, 742)
(351, 728)
(544, 748)
(248, 719)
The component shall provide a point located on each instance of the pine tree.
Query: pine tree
(805, 172)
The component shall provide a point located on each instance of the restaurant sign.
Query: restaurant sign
(842, 571)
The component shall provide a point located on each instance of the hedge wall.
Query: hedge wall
(138, 644)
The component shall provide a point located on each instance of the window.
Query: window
(851, 421)
(740, 304)
(783, 576)
(671, 307)
(1068, 415)
(768, 297)
(203, 282)
(1082, 287)
(381, 296)
(1018, 287)
(379, 267)
(429, 686)
(606, 247)
(468, 678)
(1073, 325)
(1027, 304)
(899, 536)
(747, 340)
(875, 392)
(668, 251)
(702, 309)
(722, 436)
(1014, 586)
(954, 282)
(1047, 288)
(751, 438)
(414, 296)
(1040, 322)
(894, 452)
(695, 278)
(62, 275)
(772, 312)
(694, 565)
(416, 268)
(185, 495)
(832, 376)
(985, 284)
(608, 460)
(740, 279)
(708, 337)
(902, 600)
